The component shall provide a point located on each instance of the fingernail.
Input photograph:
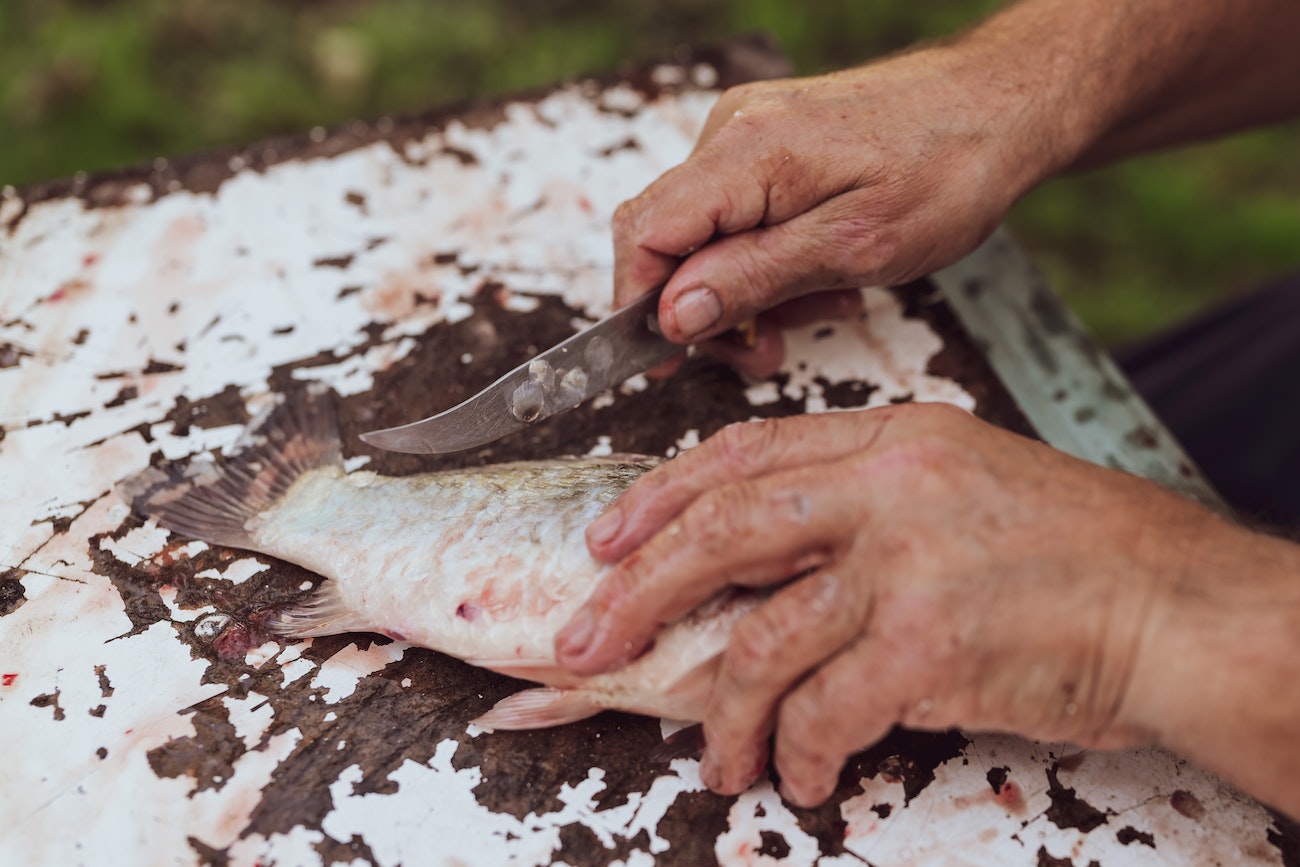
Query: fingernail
(603, 530)
(574, 638)
(696, 311)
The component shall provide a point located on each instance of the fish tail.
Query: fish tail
(215, 500)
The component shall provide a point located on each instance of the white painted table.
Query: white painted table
(405, 264)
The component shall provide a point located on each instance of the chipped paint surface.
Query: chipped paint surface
(154, 723)
(1128, 808)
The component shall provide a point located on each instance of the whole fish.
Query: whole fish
(483, 564)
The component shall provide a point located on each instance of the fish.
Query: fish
(484, 564)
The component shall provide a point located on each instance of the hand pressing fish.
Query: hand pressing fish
(483, 564)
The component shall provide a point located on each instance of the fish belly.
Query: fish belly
(481, 565)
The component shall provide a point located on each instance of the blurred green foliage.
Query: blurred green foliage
(91, 84)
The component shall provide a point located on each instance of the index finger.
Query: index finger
(676, 215)
(739, 451)
(751, 533)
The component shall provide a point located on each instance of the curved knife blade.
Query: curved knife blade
(621, 345)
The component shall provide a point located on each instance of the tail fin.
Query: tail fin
(214, 500)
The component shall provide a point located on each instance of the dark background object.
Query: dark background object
(1228, 385)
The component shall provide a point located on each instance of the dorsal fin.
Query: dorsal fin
(213, 500)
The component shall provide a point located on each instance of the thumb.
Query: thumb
(736, 277)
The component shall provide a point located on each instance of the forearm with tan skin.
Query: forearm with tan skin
(883, 173)
(1222, 682)
(961, 576)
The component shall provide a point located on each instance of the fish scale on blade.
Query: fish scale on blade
(484, 564)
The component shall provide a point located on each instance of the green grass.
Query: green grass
(92, 84)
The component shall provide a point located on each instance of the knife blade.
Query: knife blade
(621, 345)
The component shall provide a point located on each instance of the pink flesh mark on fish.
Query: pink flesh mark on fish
(484, 564)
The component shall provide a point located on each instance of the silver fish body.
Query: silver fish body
(483, 564)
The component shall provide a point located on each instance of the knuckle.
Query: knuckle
(743, 91)
(755, 649)
(908, 413)
(726, 187)
(936, 415)
(917, 420)
(663, 485)
(836, 607)
(622, 217)
(736, 97)
(937, 422)
(721, 518)
(861, 246)
(619, 588)
(626, 219)
(745, 446)
(737, 206)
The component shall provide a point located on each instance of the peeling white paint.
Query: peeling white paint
(763, 393)
(689, 440)
(251, 716)
(889, 351)
(242, 569)
(399, 837)
(262, 654)
(602, 448)
(761, 809)
(498, 838)
(296, 669)
(980, 828)
(296, 847)
(341, 673)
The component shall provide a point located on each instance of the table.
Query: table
(405, 263)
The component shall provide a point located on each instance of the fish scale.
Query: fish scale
(485, 564)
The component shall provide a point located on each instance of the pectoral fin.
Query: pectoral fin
(323, 613)
(538, 709)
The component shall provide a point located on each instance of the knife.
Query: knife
(621, 345)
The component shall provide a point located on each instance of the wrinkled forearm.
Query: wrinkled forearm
(1100, 80)
(1219, 677)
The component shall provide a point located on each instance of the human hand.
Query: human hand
(952, 573)
(871, 176)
